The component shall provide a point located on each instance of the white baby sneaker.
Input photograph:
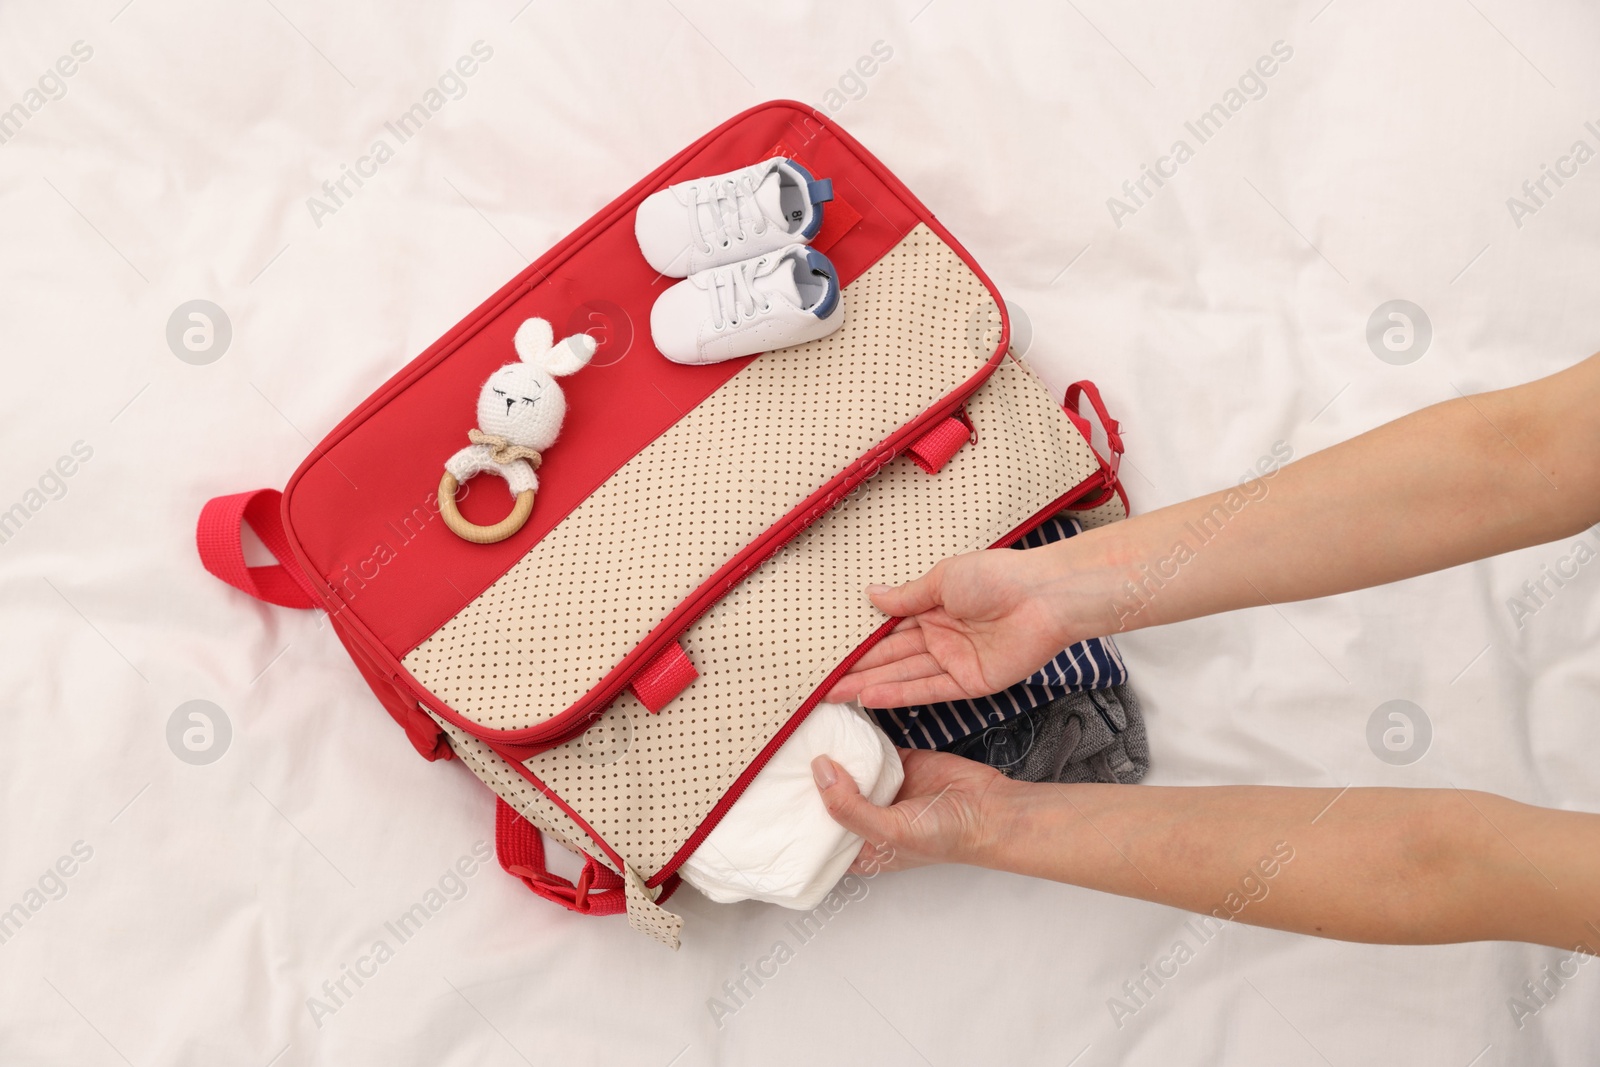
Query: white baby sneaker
(786, 297)
(727, 218)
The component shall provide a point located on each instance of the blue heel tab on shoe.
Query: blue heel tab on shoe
(820, 264)
(820, 191)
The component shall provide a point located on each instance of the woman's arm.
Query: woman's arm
(1394, 866)
(1464, 479)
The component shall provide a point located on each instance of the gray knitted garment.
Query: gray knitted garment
(1096, 736)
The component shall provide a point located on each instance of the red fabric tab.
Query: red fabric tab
(667, 674)
(217, 537)
(838, 219)
(933, 449)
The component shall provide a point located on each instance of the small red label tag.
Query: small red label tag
(667, 674)
(934, 449)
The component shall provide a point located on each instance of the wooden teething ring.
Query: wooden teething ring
(471, 531)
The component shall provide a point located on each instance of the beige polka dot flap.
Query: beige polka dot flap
(638, 790)
(542, 650)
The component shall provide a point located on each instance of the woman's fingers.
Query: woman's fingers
(930, 689)
(910, 668)
(912, 598)
(879, 828)
(846, 804)
(897, 646)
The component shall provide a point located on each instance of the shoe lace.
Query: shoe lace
(733, 208)
(733, 291)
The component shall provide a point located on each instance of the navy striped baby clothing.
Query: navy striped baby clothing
(1086, 666)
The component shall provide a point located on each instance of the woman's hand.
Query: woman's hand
(1395, 866)
(973, 625)
(979, 622)
(945, 812)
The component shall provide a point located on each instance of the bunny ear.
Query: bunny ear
(570, 356)
(533, 340)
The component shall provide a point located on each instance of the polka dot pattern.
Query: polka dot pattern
(768, 644)
(517, 791)
(645, 915)
(1104, 514)
(917, 325)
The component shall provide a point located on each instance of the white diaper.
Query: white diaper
(778, 843)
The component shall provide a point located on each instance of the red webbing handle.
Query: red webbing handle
(217, 536)
(1075, 392)
(520, 847)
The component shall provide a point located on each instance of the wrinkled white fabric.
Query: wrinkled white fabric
(221, 897)
(778, 843)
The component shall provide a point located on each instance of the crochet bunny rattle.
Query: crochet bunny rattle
(520, 411)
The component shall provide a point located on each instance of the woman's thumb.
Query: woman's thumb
(846, 804)
(912, 598)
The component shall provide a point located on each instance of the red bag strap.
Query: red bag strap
(218, 538)
(1075, 392)
(520, 848)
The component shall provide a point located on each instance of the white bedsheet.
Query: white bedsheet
(1227, 312)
